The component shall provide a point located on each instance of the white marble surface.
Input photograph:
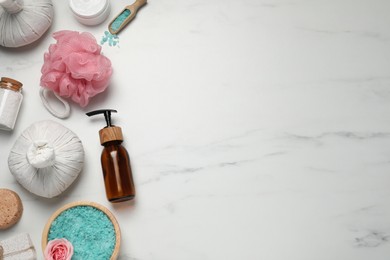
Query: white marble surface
(257, 129)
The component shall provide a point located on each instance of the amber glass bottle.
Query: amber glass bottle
(117, 172)
(118, 178)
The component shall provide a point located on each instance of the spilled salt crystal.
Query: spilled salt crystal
(111, 39)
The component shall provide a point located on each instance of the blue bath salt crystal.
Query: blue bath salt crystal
(89, 229)
(120, 19)
(111, 39)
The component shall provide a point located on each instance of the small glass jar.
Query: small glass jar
(90, 12)
(10, 100)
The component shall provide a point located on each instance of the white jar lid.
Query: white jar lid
(88, 8)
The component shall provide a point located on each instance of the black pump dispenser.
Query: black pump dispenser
(110, 132)
(106, 112)
(118, 178)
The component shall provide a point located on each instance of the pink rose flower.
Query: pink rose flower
(75, 68)
(58, 249)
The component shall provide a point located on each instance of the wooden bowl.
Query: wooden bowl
(112, 218)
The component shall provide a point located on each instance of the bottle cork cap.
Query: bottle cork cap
(15, 85)
(108, 134)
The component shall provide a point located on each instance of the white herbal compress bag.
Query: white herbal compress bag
(24, 21)
(46, 158)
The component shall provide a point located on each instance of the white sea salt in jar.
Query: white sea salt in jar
(10, 100)
(90, 12)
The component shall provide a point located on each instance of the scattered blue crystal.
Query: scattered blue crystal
(111, 39)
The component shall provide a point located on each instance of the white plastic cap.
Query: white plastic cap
(90, 12)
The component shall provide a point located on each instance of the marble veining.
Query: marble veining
(365, 34)
(372, 239)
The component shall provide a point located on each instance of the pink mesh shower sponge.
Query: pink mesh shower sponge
(75, 68)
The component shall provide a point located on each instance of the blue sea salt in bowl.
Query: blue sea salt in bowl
(91, 228)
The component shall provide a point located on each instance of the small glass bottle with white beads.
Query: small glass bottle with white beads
(10, 100)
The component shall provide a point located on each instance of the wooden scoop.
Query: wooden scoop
(124, 17)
